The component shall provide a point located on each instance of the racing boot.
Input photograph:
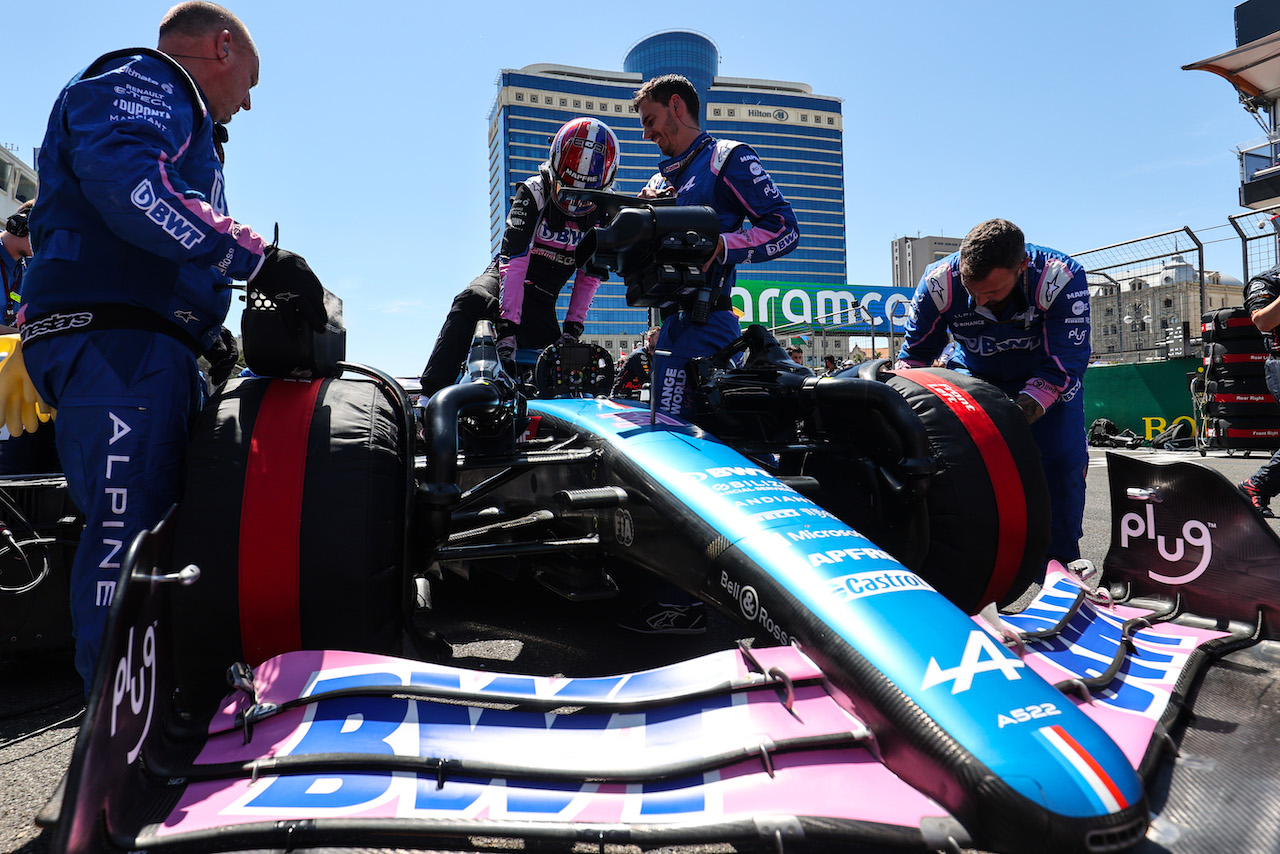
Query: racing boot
(1259, 501)
(661, 618)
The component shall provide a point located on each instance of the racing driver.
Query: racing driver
(519, 288)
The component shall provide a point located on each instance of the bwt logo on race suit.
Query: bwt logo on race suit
(177, 226)
(988, 346)
(1194, 533)
(567, 238)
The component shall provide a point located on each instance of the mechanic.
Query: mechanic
(728, 177)
(28, 453)
(1262, 301)
(15, 249)
(1019, 314)
(131, 279)
(519, 288)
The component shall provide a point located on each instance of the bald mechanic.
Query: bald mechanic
(134, 257)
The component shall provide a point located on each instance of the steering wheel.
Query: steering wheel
(572, 369)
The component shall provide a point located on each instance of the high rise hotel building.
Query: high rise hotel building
(797, 134)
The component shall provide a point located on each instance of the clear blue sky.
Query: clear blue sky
(367, 140)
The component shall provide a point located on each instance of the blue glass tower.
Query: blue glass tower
(676, 52)
(798, 135)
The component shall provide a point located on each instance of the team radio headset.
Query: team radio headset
(16, 225)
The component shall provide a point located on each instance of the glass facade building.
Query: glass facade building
(797, 134)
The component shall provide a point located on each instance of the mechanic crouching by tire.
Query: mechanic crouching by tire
(131, 279)
(1019, 315)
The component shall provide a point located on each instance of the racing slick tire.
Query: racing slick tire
(1243, 434)
(1227, 323)
(988, 504)
(1242, 406)
(1235, 357)
(1235, 385)
(293, 509)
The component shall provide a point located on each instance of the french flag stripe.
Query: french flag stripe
(1087, 767)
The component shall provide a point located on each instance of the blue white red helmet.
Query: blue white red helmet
(584, 155)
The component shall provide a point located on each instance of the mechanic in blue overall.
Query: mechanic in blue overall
(728, 177)
(15, 249)
(1262, 301)
(1019, 315)
(29, 453)
(130, 282)
(520, 287)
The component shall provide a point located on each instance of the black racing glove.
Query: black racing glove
(571, 332)
(287, 281)
(223, 356)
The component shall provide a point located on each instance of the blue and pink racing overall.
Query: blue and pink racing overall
(728, 177)
(130, 281)
(1038, 345)
(537, 259)
(521, 285)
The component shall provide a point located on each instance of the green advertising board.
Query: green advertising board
(1146, 398)
(853, 309)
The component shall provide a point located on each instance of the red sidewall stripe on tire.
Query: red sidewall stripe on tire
(271, 520)
(1006, 481)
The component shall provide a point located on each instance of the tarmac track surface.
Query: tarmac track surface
(507, 629)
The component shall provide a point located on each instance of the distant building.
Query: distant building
(798, 135)
(1153, 312)
(18, 183)
(913, 255)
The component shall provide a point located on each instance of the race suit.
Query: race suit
(1038, 345)
(11, 270)
(728, 177)
(519, 289)
(30, 453)
(632, 376)
(134, 253)
(1259, 293)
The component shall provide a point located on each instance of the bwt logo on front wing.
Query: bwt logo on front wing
(1194, 532)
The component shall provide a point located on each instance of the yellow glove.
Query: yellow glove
(20, 404)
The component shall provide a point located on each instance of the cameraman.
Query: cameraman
(728, 177)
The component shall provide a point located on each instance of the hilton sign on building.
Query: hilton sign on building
(798, 135)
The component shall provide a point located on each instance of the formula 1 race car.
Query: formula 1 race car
(278, 669)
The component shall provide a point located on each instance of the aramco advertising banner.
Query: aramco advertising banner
(859, 309)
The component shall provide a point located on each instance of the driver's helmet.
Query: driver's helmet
(584, 155)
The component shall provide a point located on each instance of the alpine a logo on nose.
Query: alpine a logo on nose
(1194, 533)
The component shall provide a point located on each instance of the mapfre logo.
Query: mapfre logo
(1194, 533)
